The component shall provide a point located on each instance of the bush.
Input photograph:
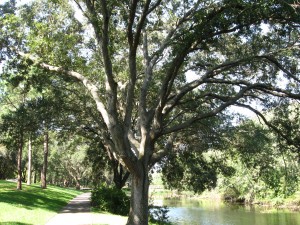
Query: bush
(110, 199)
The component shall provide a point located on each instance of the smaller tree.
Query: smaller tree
(198, 157)
(45, 161)
(14, 125)
(67, 160)
(263, 168)
(29, 169)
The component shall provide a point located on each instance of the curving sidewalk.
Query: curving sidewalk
(78, 212)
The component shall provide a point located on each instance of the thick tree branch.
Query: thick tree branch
(168, 39)
(111, 85)
(212, 113)
(281, 67)
(86, 82)
(133, 40)
(269, 124)
(132, 12)
(82, 10)
(196, 83)
(193, 85)
(191, 46)
(141, 24)
(148, 75)
(132, 59)
(157, 156)
(267, 88)
(154, 6)
(102, 37)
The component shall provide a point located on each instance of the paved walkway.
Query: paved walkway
(77, 212)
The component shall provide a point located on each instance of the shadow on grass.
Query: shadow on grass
(14, 223)
(52, 199)
(32, 201)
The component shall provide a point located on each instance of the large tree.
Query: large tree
(154, 68)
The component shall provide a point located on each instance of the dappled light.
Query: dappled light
(95, 93)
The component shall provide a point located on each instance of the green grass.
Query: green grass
(32, 205)
(35, 206)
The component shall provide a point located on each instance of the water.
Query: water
(204, 212)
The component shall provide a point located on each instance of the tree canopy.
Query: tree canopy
(153, 68)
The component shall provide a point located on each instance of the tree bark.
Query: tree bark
(139, 198)
(20, 149)
(119, 177)
(29, 162)
(45, 164)
(77, 184)
(34, 176)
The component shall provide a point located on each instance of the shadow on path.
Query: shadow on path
(80, 204)
(77, 212)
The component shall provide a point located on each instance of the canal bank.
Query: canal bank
(158, 193)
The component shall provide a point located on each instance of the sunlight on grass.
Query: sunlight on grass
(32, 205)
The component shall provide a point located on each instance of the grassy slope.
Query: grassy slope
(32, 205)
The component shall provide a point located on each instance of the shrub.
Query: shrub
(110, 199)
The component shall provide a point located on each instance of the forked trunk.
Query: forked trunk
(120, 175)
(138, 214)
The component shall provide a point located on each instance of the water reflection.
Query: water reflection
(204, 212)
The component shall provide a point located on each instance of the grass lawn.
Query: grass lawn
(32, 205)
(35, 206)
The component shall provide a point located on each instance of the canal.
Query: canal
(206, 212)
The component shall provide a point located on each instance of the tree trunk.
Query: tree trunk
(20, 149)
(77, 184)
(34, 176)
(119, 177)
(138, 214)
(29, 162)
(45, 164)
